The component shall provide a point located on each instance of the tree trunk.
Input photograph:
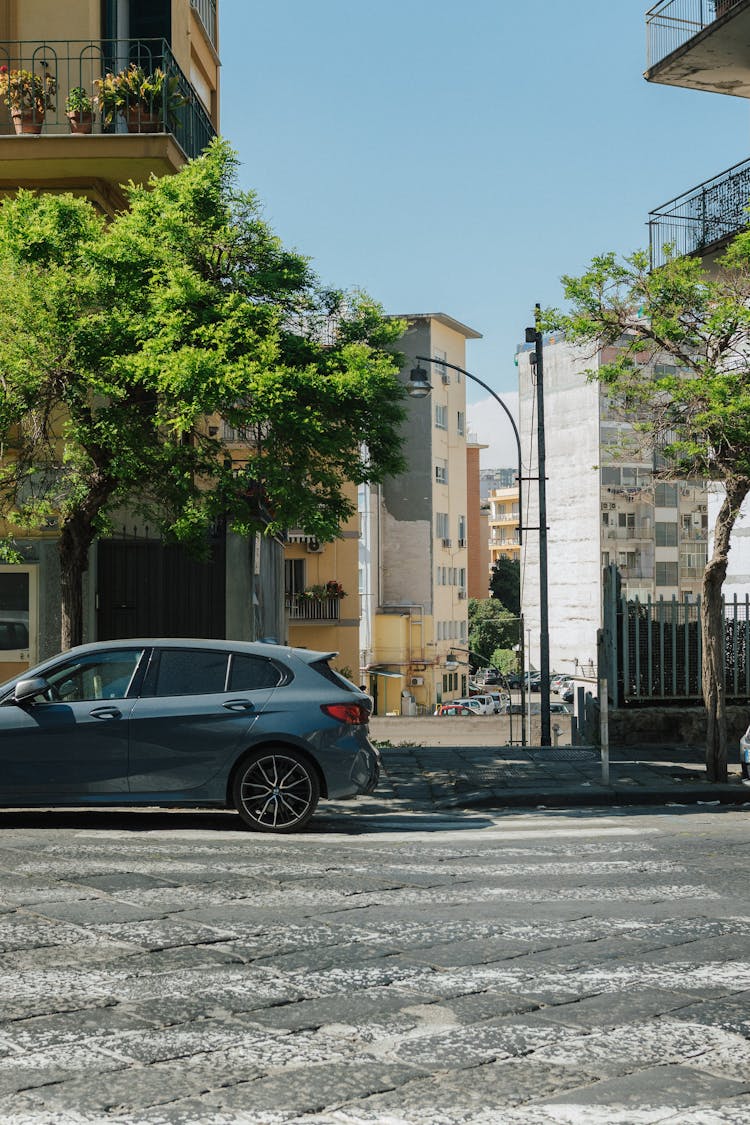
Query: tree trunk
(713, 667)
(75, 540)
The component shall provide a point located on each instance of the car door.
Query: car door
(193, 718)
(72, 742)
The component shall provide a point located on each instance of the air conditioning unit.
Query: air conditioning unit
(416, 681)
(314, 547)
(446, 542)
(446, 379)
(462, 542)
(462, 594)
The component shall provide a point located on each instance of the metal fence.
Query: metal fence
(671, 23)
(653, 649)
(702, 217)
(40, 77)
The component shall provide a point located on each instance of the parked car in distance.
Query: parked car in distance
(454, 709)
(485, 702)
(262, 728)
(499, 698)
(474, 704)
(745, 754)
(559, 708)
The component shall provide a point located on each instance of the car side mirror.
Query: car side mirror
(27, 689)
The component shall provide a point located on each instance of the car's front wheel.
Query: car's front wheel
(276, 790)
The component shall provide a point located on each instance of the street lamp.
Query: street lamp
(419, 386)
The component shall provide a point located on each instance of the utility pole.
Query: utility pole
(534, 336)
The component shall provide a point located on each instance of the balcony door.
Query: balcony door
(137, 19)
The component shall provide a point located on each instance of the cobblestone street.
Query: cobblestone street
(421, 968)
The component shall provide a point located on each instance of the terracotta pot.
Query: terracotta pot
(80, 123)
(142, 121)
(27, 121)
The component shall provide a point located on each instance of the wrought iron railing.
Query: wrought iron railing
(670, 23)
(653, 648)
(300, 607)
(206, 12)
(702, 218)
(46, 78)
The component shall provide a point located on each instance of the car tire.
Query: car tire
(275, 790)
(745, 770)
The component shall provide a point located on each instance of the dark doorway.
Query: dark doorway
(145, 589)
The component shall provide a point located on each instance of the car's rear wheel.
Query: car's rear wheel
(745, 770)
(276, 790)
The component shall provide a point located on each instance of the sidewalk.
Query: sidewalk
(496, 777)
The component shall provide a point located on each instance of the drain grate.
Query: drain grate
(564, 754)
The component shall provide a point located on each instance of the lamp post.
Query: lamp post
(534, 336)
(419, 386)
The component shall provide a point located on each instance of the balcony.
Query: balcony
(300, 607)
(140, 137)
(700, 44)
(703, 219)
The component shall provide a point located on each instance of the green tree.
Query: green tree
(491, 627)
(680, 365)
(122, 345)
(505, 584)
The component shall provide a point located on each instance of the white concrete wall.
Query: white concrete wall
(571, 407)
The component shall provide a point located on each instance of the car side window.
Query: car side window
(248, 673)
(190, 671)
(102, 675)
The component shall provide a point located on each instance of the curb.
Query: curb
(715, 795)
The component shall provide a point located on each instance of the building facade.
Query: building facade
(414, 547)
(62, 52)
(477, 514)
(503, 523)
(603, 506)
(705, 46)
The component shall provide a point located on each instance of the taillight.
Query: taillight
(346, 712)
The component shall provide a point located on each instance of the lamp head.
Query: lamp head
(419, 385)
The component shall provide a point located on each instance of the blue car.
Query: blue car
(264, 729)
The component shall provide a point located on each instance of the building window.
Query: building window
(665, 534)
(460, 423)
(462, 531)
(441, 416)
(442, 526)
(294, 576)
(666, 573)
(442, 373)
(441, 472)
(610, 476)
(665, 495)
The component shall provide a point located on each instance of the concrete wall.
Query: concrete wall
(573, 513)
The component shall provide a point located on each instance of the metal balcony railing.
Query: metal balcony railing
(302, 608)
(702, 218)
(40, 76)
(206, 12)
(670, 23)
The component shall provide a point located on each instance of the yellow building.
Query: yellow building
(414, 551)
(58, 51)
(321, 594)
(503, 524)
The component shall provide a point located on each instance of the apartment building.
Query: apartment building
(58, 54)
(321, 593)
(705, 45)
(414, 547)
(503, 524)
(603, 506)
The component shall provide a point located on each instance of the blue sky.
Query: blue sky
(461, 158)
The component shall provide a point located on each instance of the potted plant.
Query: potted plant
(79, 110)
(29, 96)
(144, 100)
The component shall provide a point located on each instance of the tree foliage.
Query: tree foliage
(179, 359)
(505, 584)
(491, 627)
(679, 364)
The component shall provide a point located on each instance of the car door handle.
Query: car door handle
(106, 713)
(239, 705)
